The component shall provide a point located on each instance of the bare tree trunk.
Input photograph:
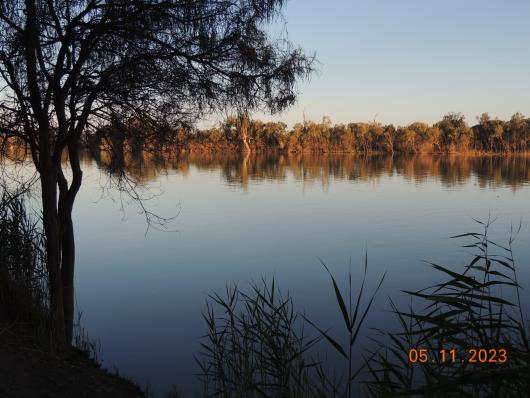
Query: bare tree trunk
(52, 231)
(67, 277)
(244, 127)
(66, 204)
(57, 201)
(245, 143)
(67, 257)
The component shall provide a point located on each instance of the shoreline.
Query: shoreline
(29, 369)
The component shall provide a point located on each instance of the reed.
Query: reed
(24, 297)
(477, 307)
(353, 315)
(257, 344)
(23, 277)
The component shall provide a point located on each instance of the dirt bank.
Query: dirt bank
(28, 370)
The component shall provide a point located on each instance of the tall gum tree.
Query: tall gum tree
(67, 66)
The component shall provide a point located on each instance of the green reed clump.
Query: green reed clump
(477, 307)
(23, 277)
(256, 345)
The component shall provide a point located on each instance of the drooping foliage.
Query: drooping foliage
(67, 66)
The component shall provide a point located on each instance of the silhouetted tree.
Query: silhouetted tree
(66, 66)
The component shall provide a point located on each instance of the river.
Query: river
(141, 290)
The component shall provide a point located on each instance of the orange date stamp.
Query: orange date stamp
(470, 355)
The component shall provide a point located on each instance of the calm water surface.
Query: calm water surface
(241, 219)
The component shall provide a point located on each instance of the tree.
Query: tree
(454, 132)
(67, 66)
(517, 131)
(482, 131)
(490, 133)
(405, 139)
(389, 137)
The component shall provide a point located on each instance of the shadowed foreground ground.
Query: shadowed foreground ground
(30, 371)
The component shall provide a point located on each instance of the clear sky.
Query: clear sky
(405, 60)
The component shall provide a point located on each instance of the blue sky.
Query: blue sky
(405, 60)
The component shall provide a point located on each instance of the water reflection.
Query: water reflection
(240, 171)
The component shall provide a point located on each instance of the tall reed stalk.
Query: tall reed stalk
(353, 316)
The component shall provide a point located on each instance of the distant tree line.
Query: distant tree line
(451, 134)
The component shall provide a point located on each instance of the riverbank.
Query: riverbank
(31, 370)
(32, 364)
